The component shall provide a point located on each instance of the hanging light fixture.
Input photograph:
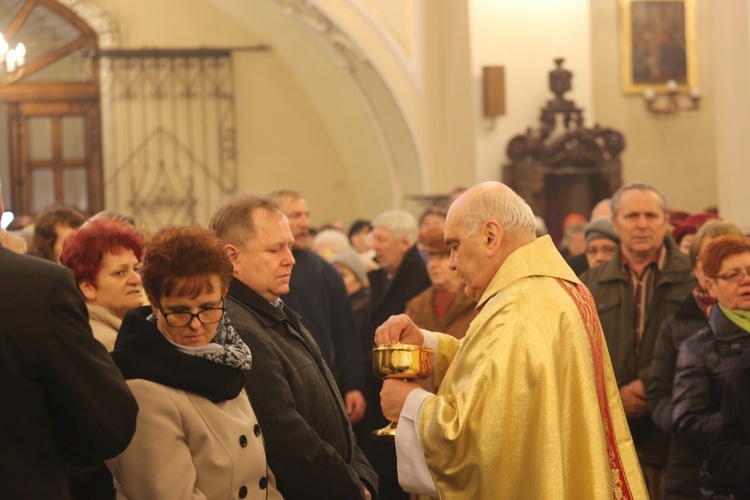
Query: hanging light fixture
(11, 58)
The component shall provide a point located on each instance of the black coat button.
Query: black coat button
(243, 440)
(263, 483)
(243, 492)
(256, 429)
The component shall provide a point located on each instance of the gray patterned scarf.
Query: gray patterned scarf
(226, 348)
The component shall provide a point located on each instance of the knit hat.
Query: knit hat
(353, 262)
(601, 227)
(432, 241)
(691, 224)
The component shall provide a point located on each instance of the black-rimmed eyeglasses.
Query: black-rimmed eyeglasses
(207, 316)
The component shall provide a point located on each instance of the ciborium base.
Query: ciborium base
(387, 433)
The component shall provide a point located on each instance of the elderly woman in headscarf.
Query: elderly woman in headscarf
(197, 435)
(105, 257)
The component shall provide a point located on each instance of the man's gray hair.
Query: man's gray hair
(641, 186)
(333, 238)
(508, 209)
(400, 223)
(285, 196)
(232, 220)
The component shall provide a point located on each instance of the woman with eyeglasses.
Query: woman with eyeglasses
(197, 435)
(681, 478)
(707, 358)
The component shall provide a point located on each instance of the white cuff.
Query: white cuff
(413, 474)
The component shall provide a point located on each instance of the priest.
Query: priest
(526, 404)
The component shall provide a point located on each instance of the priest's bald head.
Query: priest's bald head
(484, 226)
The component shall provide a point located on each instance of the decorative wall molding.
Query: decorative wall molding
(100, 20)
(345, 50)
(393, 129)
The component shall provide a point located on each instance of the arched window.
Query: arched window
(50, 145)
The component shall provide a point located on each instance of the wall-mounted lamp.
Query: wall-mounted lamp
(493, 86)
(673, 100)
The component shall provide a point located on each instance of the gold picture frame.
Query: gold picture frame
(657, 44)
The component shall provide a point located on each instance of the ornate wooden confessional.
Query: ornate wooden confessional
(562, 166)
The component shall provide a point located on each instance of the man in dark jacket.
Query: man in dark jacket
(63, 397)
(402, 276)
(317, 293)
(634, 293)
(310, 444)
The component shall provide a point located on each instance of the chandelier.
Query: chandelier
(11, 58)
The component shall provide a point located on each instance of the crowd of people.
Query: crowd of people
(235, 360)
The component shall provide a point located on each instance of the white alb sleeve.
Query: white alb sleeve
(413, 474)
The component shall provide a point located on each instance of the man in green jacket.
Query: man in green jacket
(634, 293)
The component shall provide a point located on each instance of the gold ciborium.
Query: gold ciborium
(404, 361)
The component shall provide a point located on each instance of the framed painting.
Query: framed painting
(657, 44)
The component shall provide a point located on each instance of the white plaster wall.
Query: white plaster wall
(525, 36)
(732, 71)
(283, 140)
(420, 49)
(677, 152)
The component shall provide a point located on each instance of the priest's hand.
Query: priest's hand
(393, 396)
(399, 329)
(633, 397)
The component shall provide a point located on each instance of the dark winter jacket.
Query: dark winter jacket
(704, 364)
(729, 458)
(614, 299)
(63, 397)
(681, 476)
(317, 293)
(310, 444)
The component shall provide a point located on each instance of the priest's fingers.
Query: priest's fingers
(399, 329)
(393, 396)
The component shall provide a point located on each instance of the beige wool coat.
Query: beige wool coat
(104, 325)
(188, 447)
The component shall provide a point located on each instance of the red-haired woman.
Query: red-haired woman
(105, 257)
(707, 358)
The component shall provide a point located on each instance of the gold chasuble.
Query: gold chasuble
(527, 406)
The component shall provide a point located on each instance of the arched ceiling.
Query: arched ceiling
(354, 102)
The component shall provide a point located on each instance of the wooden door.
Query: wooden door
(55, 155)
